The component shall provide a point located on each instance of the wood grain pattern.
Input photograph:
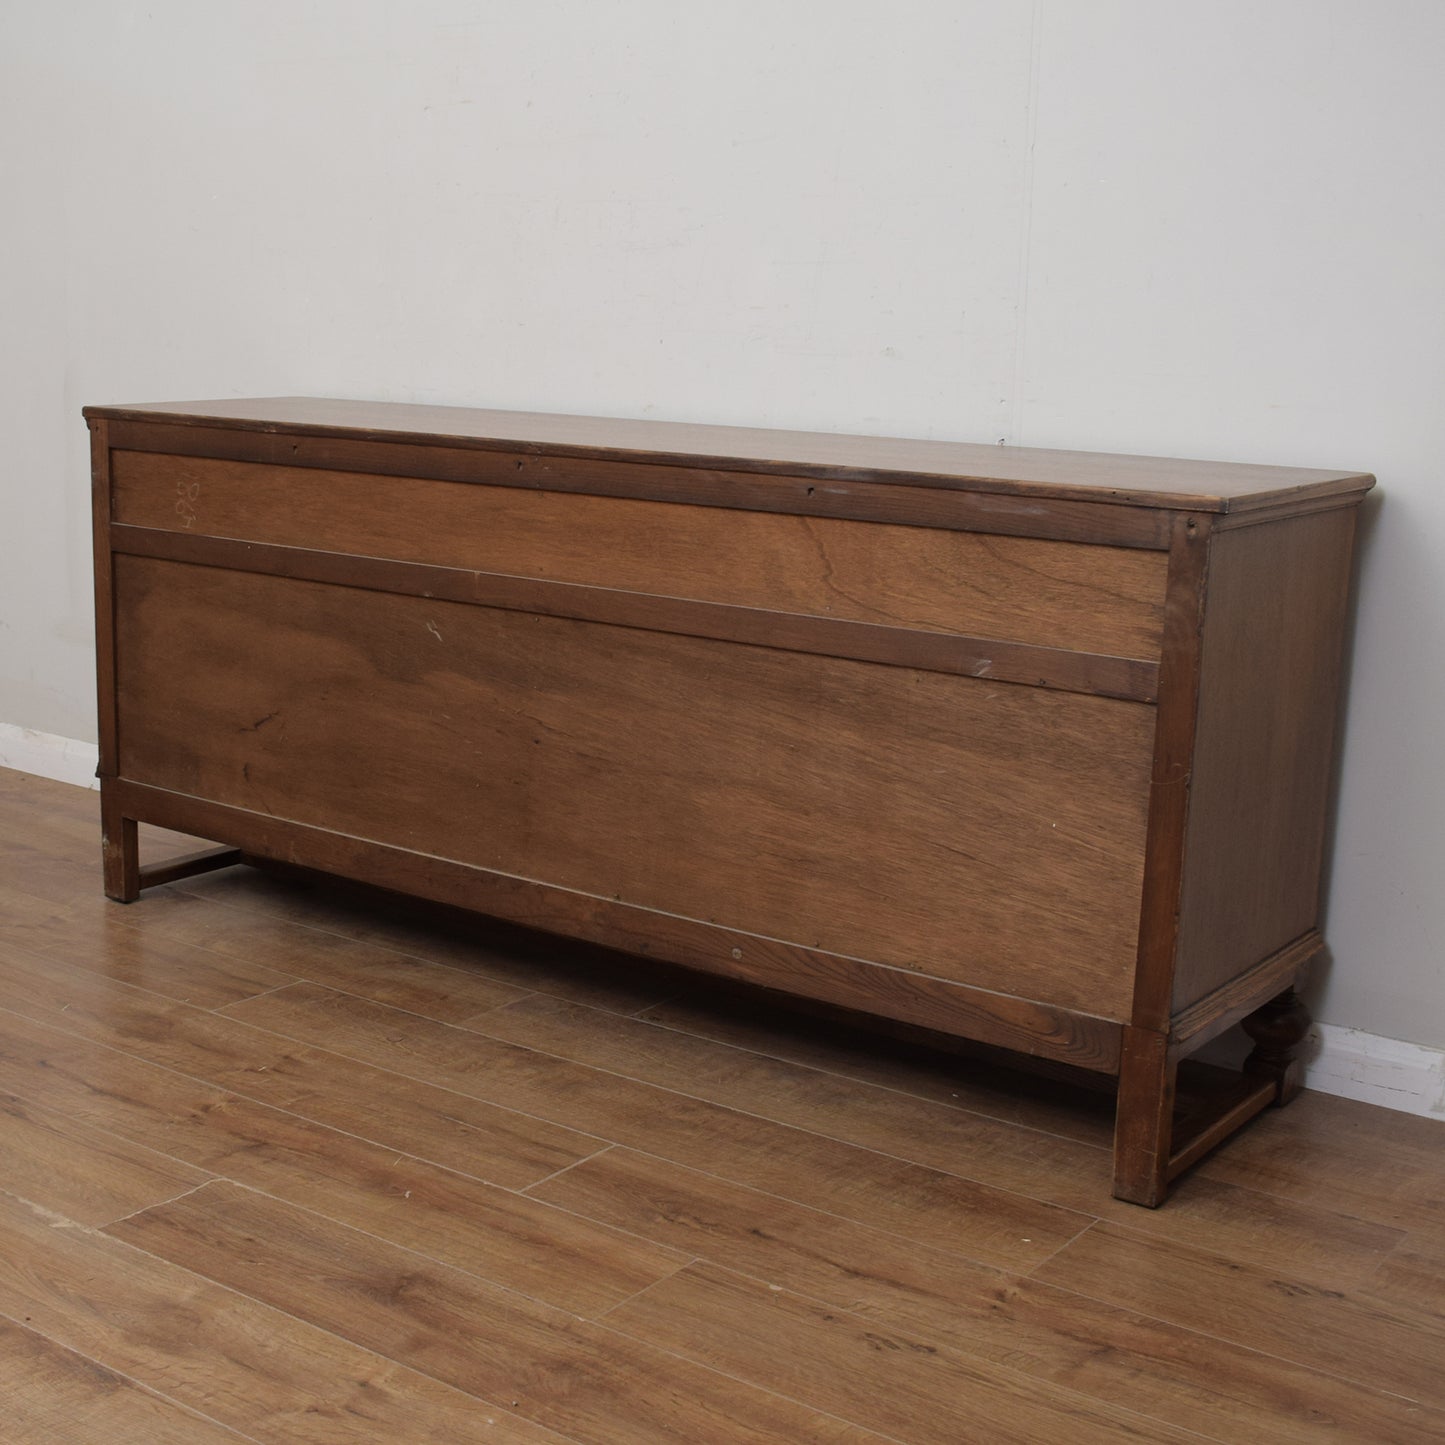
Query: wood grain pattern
(80, 1171)
(1133, 679)
(54, 1396)
(92, 937)
(927, 1204)
(1288, 1293)
(1391, 1166)
(1021, 1024)
(1109, 1353)
(1050, 594)
(887, 1378)
(543, 1364)
(1207, 486)
(464, 1221)
(907, 502)
(627, 766)
(1332, 1249)
(240, 1363)
(92, 1057)
(1396, 1349)
(1268, 695)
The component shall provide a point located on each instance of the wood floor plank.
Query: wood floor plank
(1413, 1274)
(81, 1171)
(1387, 1347)
(904, 1240)
(494, 1232)
(1383, 1165)
(820, 1038)
(93, 935)
(467, 1134)
(54, 1396)
(598, 977)
(356, 965)
(1106, 1352)
(1316, 1244)
(579, 1378)
(887, 1379)
(238, 1362)
(913, 1200)
(64, 820)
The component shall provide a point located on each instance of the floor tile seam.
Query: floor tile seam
(1396, 1248)
(633, 1080)
(137, 925)
(993, 1188)
(1254, 1348)
(160, 1203)
(785, 1124)
(1003, 1377)
(910, 1094)
(120, 1374)
(891, 1320)
(52, 1018)
(511, 1290)
(1281, 1273)
(1297, 1201)
(604, 1322)
(566, 1169)
(595, 1321)
(389, 1361)
(805, 1068)
(412, 1013)
(823, 1213)
(30, 1101)
(996, 1189)
(235, 1094)
(254, 906)
(221, 1011)
(1000, 1190)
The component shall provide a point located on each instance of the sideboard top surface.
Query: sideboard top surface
(1158, 482)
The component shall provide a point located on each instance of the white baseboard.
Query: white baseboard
(1344, 1061)
(47, 756)
(1390, 1072)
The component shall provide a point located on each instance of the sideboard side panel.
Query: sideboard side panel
(1264, 749)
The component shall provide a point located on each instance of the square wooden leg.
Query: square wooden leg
(120, 850)
(1144, 1120)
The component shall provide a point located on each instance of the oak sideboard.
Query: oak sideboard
(1032, 748)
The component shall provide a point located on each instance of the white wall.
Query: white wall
(1148, 225)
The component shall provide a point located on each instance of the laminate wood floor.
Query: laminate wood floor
(286, 1160)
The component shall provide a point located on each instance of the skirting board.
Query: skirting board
(1390, 1072)
(67, 760)
(1343, 1061)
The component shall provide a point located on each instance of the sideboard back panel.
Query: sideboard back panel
(1107, 600)
(982, 832)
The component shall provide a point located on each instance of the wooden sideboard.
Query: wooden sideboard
(1033, 748)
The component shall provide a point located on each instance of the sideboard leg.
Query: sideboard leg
(120, 851)
(1143, 1121)
(1277, 1029)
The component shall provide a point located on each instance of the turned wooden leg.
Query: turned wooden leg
(1143, 1121)
(119, 850)
(1278, 1028)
